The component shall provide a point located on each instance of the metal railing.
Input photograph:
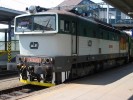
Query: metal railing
(14, 45)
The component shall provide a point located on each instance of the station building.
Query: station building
(99, 11)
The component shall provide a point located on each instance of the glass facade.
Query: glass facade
(4, 42)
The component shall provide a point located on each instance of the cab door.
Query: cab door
(74, 38)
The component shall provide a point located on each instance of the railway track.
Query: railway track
(16, 92)
(6, 73)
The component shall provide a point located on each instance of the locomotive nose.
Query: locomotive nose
(43, 69)
(38, 70)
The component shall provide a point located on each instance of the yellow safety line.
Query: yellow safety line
(36, 83)
(2, 52)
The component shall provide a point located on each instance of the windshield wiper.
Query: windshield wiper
(46, 26)
(47, 23)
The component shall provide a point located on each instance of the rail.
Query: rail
(19, 91)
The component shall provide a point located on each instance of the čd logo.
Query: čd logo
(34, 45)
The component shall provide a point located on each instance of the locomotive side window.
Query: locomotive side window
(64, 25)
(105, 35)
(111, 36)
(85, 31)
(108, 36)
(67, 25)
(94, 33)
(73, 27)
(116, 37)
(101, 35)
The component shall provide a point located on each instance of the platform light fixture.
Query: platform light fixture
(130, 13)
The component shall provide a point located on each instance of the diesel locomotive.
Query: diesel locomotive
(56, 46)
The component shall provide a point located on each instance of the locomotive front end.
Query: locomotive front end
(37, 42)
(36, 70)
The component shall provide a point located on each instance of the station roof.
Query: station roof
(7, 14)
(69, 4)
(125, 6)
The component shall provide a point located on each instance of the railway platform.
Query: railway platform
(113, 84)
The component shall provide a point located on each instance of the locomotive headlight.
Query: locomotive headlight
(21, 59)
(43, 60)
(19, 66)
(51, 59)
(32, 9)
(31, 68)
(47, 60)
(24, 59)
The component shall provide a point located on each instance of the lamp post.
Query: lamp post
(107, 13)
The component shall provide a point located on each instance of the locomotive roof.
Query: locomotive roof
(92, 20)
(64, 12)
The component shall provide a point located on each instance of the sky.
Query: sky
(22, 4)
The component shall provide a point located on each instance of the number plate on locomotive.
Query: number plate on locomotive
(35, 60)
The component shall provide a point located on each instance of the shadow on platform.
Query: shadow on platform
(106, 77)
(131, 98)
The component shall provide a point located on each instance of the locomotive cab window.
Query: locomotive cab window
(45, 23)
(24, 24)
(35, 23)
